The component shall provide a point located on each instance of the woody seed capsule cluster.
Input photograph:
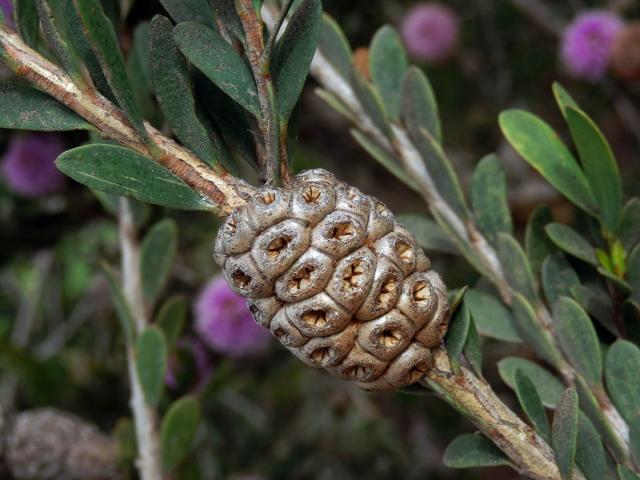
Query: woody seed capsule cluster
(337, 281)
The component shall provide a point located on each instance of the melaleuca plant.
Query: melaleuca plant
(326, 268)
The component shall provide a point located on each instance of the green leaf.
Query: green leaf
(171, 318)
(599, 165)
(120, 171)
(455, 297)
(529, 328)
(597, 302)
(541, 147)
(590, 454)
(140, 75)
(563, 98)
(198, 11)
(104, 43)
(578, 339)
(472, 352)
(570, 241)
(157, 254)
(564, 432)
(385, 159)
(518, 270)
(227, 14)
(388, 64)
(531, 404)
(558, 278)
(473, 450)
(172, 84)
(634, 439)
(536, 242)
(441, 171)
(458, 331)
(489, 198)
(122, 307)
(178, 431)
(419, 106)
(625, 474)
(214, 57)
(25, 14)
(334, 46)
(428, 233)
(293, 54)
(25, 108)
(547, 385)
(633, 271)
(371, 102)
(630, 224)
(491, 317)
(622, 373)
(151, 363)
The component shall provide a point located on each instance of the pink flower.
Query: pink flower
(28, 165)
(587, 44)
(7, 10)
(225, 324)
(430, 32)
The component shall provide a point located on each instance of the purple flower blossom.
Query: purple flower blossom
(225, 324)
(28, 165)
(587, 43)
(430, 32)
(190, 352)
(7, 10)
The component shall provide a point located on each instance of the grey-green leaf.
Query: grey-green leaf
(122, 307)
(564, 432)
(630, 224)
(419, 106)
(536, 242)
(428, 233)
(547, 385)
(634, 439)
(518, 270)
(472, 351)
(458, 331)
(25, 108)
(178, 431)
(489, 198)
(334, 46)
(558, 278)
(473, 450)
(371, 102)
(388, 64)
(531, 404)
(590, 454)
(171, 318)
(25, 14)
(120, 171)
(622, 373)
(529, 328)
(578, 339)
(293, 54)
(151, 363)
(625, 474)
(198, 11)
(570, 241)
(491, 317)
(157, 254)
(599, 165)
(214, 57)
(541, 147)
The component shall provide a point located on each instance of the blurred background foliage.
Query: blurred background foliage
(265, 415)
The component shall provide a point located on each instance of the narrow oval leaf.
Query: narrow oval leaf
(25, 108)
(293, 54)
(388, 64)
(458, 331)
(634, 439)
(597, 302)
(622, 373)
(213, 56)
(491, 317)
(578, 339)
(489, 198)
(625, 474)
(472, 351)
(532, 404)
(171, 318)
(564, 432)
(334, 46)
(558, 278)
(120, 171)
(547, 385)
(518, 270)
(563, 98)
(630, 224)
(419, 105)
(151, 363)
(473, 450)
(599, 165)
(123, 310)
(371, 102)
(528, 327)
(104, 43)
(157, 254)
(198, 11)
(179, 427)
(570, 241)
(541, 147)
(428, 233)
(536, 242)
(172, 84)
(590, 454)
(25, 14)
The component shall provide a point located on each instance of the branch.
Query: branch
(145, 418)
(223, 189)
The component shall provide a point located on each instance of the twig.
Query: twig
(222, 189)
(145, 418)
